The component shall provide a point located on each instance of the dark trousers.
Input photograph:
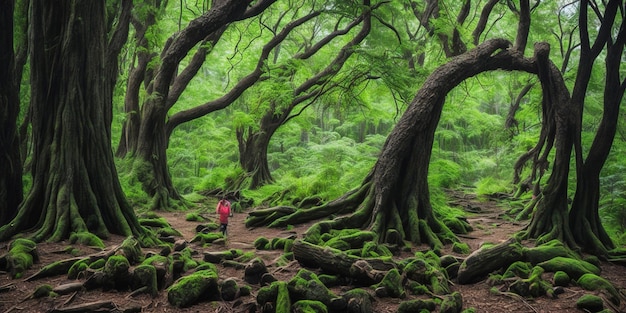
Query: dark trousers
(223, 228)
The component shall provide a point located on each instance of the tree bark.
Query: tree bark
(150, 155)
(584, 216)
(75, 185)
(394, 201)
(11, 193)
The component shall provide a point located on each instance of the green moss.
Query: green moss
(457, 225)
(452, 303)
(78, 268)
(413, 306)
(42, 291)
(353, 238)
(168, 231)
(461, 248)
(154, 221)
(306, 285)
(22, 254)
(190, 289)
(595, 282)
(116, 266)
(590, 303)
(561, 279)
(417, 288)
(132, 250)
(203, 238)
(97, 264)
(372, 249)
(194, 217)
(392, 282)
(262, 243)
(283, 302)
(86, 239)
(547, 251)
(309, 306)
(145, 276)
(574, 268)
(338, 244)
(517, 269)
(267, 294)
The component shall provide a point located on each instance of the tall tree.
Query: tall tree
(11, 193)
(75, 184)
(164, 86)
(254, 141)
(584, 213)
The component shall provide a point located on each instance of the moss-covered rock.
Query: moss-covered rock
(192, 288)
(43, 291)
(145, 276)
(418, 305)
(116, 273)
(21, 256)
(461, 248)
(229, 289)
(573, 267)
(262, 243)
(597, 283)
(309, 306)
(590, 303)
(207, 238)
(283, 300)
(561, 279)
(357, 300)
(86, 239)
(217, 257)
(392, 283)
(79, 267)
(254, 271)
(306, 286)
(131, 249)
(517, 269)
(452, 303)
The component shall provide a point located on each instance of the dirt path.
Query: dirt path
(488, 225)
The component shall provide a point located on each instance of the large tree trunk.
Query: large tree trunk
(550, 219)
(75, 185)
(253, 150)
(150, 164)
(394, 200)
(11, 193)
(584, 216)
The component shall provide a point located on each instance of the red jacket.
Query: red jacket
(223, 209)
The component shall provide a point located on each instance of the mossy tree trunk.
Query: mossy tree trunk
(138, 75)
(394, 199)
(551, 215)
(253, 144)
(149, 147)
(75, 185)
(11, 193)
(584, 216)
(253, 147)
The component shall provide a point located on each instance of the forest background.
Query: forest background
(296, 101)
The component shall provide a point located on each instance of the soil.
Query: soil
(488, 224)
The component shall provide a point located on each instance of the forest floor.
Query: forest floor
(488, 225)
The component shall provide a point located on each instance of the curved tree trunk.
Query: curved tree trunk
(550, 219)
(150, 163)
(394, 200)
(11, 193)
(75, 185)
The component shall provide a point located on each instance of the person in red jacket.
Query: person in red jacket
(223, 209)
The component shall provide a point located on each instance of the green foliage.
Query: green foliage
(490, 185)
